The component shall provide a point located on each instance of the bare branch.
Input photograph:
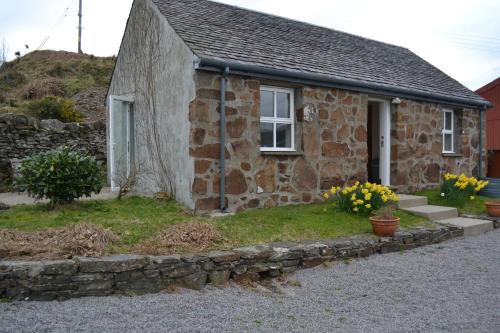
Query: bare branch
(144, 63)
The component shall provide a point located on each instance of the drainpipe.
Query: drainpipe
(480, 164)
(223, 139)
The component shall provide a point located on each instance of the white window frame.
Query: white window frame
(449, 132)
(275, 120)
(130, 138)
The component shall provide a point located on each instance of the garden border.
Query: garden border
(139, 274)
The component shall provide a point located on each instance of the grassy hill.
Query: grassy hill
(81, 77)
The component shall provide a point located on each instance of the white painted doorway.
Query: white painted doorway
(121, 140)
(379, 141)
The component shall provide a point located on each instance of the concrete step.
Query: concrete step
(409, 201)
(472, 227)
(433, 213)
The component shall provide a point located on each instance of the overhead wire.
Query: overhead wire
(59, 21)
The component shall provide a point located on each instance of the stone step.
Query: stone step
(433, 213)
(472, 227)
(409, 201)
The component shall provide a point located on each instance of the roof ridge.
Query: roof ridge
(489, 86)
(304, 22)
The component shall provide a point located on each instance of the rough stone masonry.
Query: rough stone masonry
(138, 274)
(332, 147)
(22, 136)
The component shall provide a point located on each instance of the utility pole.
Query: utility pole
(80, 28)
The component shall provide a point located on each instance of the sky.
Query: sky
(460, 37)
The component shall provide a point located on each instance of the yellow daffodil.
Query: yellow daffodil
(326, 196)
(472, 198)
(355, 209)
(368, 206)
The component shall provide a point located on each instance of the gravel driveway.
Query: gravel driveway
(451, 287)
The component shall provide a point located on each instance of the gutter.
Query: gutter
(223, 79)
(341, 83)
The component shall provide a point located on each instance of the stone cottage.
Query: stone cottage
(231, 109)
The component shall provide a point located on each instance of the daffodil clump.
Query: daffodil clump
(361, 198)
(460, 188)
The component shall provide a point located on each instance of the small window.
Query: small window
(277, 126)
(448, 132)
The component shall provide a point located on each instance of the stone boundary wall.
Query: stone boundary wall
(22, 136)
(137, 274)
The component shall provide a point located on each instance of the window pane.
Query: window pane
(447, 120)
(447, 142)
(283, 136)
(266, 103)
(266, 135)
(283, 105)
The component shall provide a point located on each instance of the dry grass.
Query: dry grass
(42, 87)
(192, 237)
(74, 240)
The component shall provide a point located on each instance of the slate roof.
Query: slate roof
(217, 31)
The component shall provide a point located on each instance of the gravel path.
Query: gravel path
(449, 287)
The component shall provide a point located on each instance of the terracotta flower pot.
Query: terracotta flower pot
(493, 209)
(384, 227)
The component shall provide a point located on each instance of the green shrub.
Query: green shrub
(60, 175)
(458, 189)
(55, 108)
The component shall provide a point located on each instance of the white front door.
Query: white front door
(121, 138)
(379, 141)
(385, 142)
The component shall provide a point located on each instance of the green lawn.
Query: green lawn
(307, 222)
(475, 207)
(137, 219)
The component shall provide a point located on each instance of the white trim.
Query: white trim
(449, 131)
(129, 100)
(123, 98)
(385, 140)
(276, 120)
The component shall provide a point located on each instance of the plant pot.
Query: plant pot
(384, 227)
(493, 209)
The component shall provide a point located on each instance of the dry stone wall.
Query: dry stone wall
(136, 274)
(331, 139)
(22, 136)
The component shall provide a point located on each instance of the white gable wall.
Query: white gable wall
(155, 68)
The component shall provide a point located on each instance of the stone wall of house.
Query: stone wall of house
(22, 136)
(331, 144)
(417, 160)
(155, 69)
